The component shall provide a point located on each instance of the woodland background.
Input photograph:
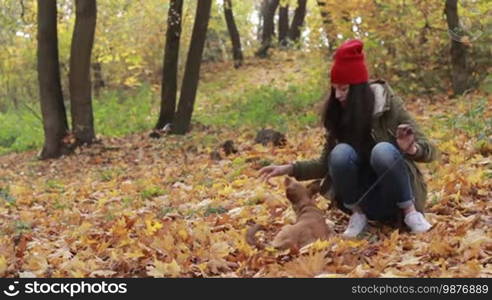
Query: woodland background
(137, 198)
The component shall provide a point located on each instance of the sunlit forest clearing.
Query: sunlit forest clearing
(139, 199)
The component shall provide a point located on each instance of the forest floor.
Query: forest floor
(139, 207)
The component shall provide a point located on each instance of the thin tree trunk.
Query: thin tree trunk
(261, 7)
(237, 52)
(79, 78)
(98, 77)
(283, 25)
(327, 25)
(268, 28)
(52, 107)
(458, 49)
(298, 21)
(169, 84)
(192, 71)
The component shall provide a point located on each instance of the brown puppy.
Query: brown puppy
(310, 224)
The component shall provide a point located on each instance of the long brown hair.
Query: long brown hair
(351, 124)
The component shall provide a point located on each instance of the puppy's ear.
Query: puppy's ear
(314, 187)
(287, 181)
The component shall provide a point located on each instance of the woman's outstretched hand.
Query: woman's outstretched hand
(272, 171)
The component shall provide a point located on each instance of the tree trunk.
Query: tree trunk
(298, 21)
(458, 49)
(192, 70)
(169, 84)
(268, 28)
(234, 33)
(53, 110)
(283, 25)
(79, 78)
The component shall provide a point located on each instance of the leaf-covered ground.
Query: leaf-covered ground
(138, 207)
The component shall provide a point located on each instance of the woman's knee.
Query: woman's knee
(384, 155)
(342, 155)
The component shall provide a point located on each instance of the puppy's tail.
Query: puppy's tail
(250, 235)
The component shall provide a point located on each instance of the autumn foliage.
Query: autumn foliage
(138, 207)
(180, 206)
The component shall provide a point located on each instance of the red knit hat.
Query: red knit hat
(349, 66)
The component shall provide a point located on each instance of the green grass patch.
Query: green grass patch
(109, 174)
(127, 201)
(151, 192)
(116, 113)
(53, 185)
(267, 106)
(21, 130)
(21, 227)
(214, 210)
(5, 195)
(59, 205)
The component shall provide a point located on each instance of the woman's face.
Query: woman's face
(341, 91)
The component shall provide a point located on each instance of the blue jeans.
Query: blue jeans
(351, 179)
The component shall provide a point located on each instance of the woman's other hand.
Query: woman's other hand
(405, 138)
(272, 171)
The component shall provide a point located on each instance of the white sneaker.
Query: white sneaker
(356, 225)
(417, 222)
